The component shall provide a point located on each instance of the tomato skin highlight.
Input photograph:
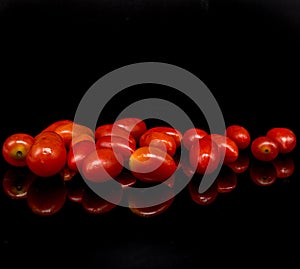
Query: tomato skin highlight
(16, 147)
(151, 164)
(284, 137)
(101, 165)
(47, 155)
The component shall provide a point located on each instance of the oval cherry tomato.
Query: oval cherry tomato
(46, 197)
(284, 137)
(102, 165)
(227, 147)
(160, 140)
(239, 134)
(150, 164)
(135, 126)
(16, 147)
(204, 157)
(54, 125)
(118, 144)
(264, 148)
(177, 135)
(47, 155)
(111, 129)
(77, 153)
(191, 136)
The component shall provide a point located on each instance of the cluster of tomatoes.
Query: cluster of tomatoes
(150, 154)
(131, 153)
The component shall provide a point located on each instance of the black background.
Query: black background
(246, 52)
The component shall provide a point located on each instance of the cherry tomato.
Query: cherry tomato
(118, 144)
(77, 153)
(111, 129)
(160, 140)
(191, 136)
(16, 182)
(101, 165)
(16, 147)
(71, 130)
(239, 134)
(264, 148)
(227, 147)
(177, 135)
(205, 157)
(54, 125)
(47, 155)
(135, 126)
(284, 137)
(47, 197)
(150, 164)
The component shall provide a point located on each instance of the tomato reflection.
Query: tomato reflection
(241, 164)
(226, 180)
(16, 182)
(263, 173)
(284, 165)
(46, 196)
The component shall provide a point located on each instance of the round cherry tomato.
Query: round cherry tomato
(160, 140)
(264, 148)
(101, 165)
(239, 134)
(135, 126)
(150, 164)
(284, 137)
(227, 147)
(47, 155)
(191, 136)
(205, 157)
(16, 147)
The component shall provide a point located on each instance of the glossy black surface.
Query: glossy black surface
(246, 52)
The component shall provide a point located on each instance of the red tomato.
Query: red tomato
(239, 134)
(205, 157)
(135, 126)
(160, 140)
(150, 164)
(119, 144)
(55, 124)
(191, 136)
(102, 165)
(16, 147)
(227, 147)
(46, 197)
(264, 148)
(284, 137)
(177, 135)
(77, 153)
(47, 155)
(111, 129)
